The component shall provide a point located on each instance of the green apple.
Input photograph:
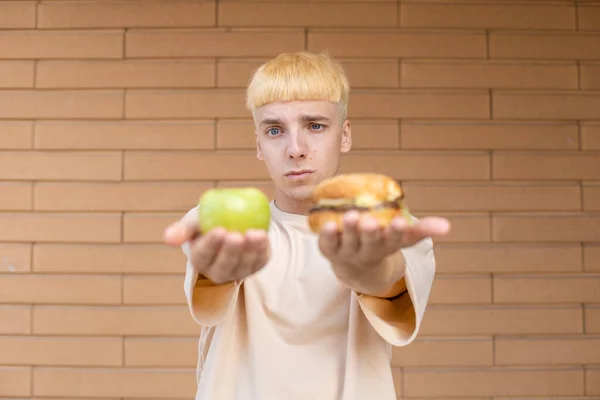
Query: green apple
(235, 209)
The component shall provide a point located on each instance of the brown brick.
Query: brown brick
(590, 75)
(442, 352)
(496, 196)
(164, 290)
(489, 16)
(161, 352)
(330, 1)
(590, 136)
(475, 135)
(108, 259)
(21, 165)
(461, 289)
(546, 46)
(39, 44)
(15, 258)
(16, 320)
(591, 257)
(66, 227)
(146, 228)
(16, 135)
(420, 165)
(189, 165)
(366, 134)
(466, 227)
(39, 350)
(592, 381)
(303, 14)
(488, 74)
(126, 135)
(361, 73)
(570, 350)
(183, 103)
(398, 43)
(16, 74)
(15, 104)
(126, 74)
(114, 320)
(15, 196)
(495, 381)
(475, 320)
(503, 258)
(588, 16)
(15, 381)
(591, 196)
(567, 105)
(547, 227)
(547, 289)
(538, 398)
(223, 42)
(17, 14)
(449, 398)
(546, 165)
(114, 382)
(126, 14)
(64, 289)
(419, 104)
(123, 196)
(592, 319)
(87, 398)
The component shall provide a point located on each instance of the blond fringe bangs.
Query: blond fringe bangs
(299, 76)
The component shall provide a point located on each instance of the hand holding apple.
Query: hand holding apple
(228, 239)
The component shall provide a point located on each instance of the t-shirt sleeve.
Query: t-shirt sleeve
(398, 321)
(208, 303)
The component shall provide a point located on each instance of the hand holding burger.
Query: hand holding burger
(363, 222)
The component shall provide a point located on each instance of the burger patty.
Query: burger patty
(395, 204)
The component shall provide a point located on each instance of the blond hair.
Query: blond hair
(299, 76)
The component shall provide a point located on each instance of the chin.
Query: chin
(300, 192)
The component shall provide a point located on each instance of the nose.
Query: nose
(297, 148)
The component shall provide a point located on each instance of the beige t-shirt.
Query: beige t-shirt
(293, 332)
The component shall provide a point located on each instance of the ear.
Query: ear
(258, 149)
(346, 137)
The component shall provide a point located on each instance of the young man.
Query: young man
(290, 314)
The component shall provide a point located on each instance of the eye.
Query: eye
(273, 131)
(317, 127)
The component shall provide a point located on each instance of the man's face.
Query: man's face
(300, 143)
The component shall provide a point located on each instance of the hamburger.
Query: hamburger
(376, 195)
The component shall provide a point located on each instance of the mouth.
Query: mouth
(299, 174)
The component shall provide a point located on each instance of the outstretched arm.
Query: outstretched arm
(390, 269)
(216, 262)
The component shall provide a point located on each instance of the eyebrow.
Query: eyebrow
(305, 117)
(312, 118)
(271, 121)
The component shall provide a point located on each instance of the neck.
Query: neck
(292, 206)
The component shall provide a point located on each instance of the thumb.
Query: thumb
(180, 232)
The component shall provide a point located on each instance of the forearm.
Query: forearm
(384, 280)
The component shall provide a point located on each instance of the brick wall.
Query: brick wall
(115, 116)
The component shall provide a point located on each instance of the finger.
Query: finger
(433, 226)
(395, 234)
(180, 232)
(410, 235)
(227, 260)
(204, 250)
(350, 236)
(370, 236)
(252, 247)
(329, 239)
